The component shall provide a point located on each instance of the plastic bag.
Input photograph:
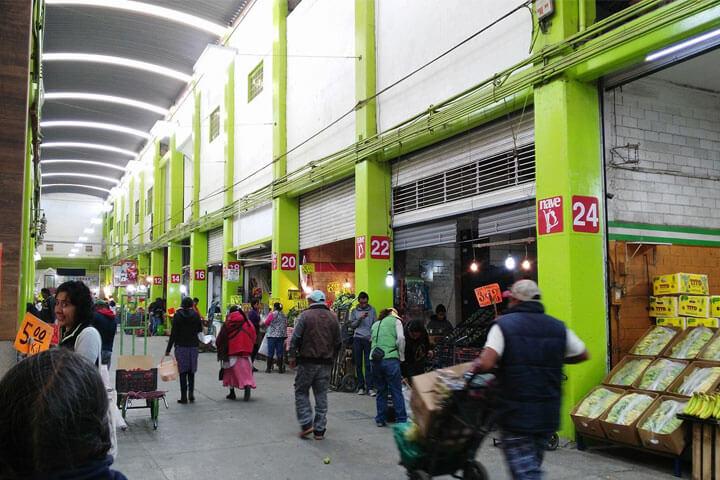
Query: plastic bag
(654, 341)
(664, 419)
(660, 375)
(263, 350)
(699, 381)
(168, 369)
(692, 343)
(628, 409)
(596, 403)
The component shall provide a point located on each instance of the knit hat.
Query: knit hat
(525, 291)
(317, 296)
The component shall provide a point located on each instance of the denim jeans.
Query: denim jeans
(387, 377)
(318, 377)
(524, 454)
(361, 353)
(276, 348)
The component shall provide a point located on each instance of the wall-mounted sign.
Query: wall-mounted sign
(380, 247)
(125, 273)
(288, 261)
(550, 215)
(174, 278)
(34, 336)
(585, 214)
(488, 295)
(200, 274)
(232, 272)
(157, 280)
(308, 268)
(274, 261)
(360, 247)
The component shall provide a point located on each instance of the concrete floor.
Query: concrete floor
(215, 438)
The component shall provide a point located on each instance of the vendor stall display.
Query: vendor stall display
(700, 377)
(711, 351)
(661, 374)
(654, 341)
(689, 344)
(660, 428)
(627, 371)
(597, 402)
(663, 419)
(628, 409)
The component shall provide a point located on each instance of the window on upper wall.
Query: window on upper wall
(149, 201)
(88, 248)
(255, 81)
(292, 4)
(49, 247)
(137, 211)
(215, 124)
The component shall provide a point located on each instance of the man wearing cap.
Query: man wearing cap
(529, 349)
(104, 322)
(315, 343)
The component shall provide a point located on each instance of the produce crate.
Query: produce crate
(672, 443)
(627, 434)
(688, 371)
(706, 349)
(705, 447)
(136, 380)
(640, 340)
(679, 338)
(591, 426)
(625, 360)
(679, 283)
(636, 384)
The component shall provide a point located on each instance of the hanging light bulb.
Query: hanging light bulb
(510, 262)
(183, 289)
(474, 267)
(346, 285)
(389, 279)
(526, 265)
(149, 279)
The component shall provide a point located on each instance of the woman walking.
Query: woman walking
(276, 334)
(235, 344)
(74, 315)
(186, 325)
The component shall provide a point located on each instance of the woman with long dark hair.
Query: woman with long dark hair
(186, 325)
(53, 422)
(235, 344)
(74, 315)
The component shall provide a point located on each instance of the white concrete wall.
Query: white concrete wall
(67, 215)
(253, 225)
(412, 32)
(253, 40)
(320, 90)
(678, 130)
(212, 154)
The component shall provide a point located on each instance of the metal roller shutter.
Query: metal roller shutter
(328, 215)
(436, 233)
(215, 245)
(507, 221)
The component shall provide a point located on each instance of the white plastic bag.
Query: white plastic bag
(168, 369)
(263, 350)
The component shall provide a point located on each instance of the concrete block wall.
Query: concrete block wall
(678, 130)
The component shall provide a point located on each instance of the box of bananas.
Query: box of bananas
(704, 406)
(660, 428)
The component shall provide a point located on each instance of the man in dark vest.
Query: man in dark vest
(529, 348)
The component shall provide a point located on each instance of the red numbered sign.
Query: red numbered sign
(550, 215)
(288, 261)
(585, 214)
(200, 274)
(360, 248)
(274, 261)
(157, 280)
(174, 278)
(380, 247)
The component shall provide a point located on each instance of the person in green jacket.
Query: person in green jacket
(386, 352)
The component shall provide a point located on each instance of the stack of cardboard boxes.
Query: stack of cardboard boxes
(682, 300)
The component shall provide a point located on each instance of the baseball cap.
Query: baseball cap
(525, 291)
(317, 296)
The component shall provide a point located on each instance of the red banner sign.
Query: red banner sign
(157, 280)
(200, 274)
(288, 261)
(274, 261)
(174, 278)
(380, 248)
(585, 214)
(488, 295)
(360, 247)
(550, 215)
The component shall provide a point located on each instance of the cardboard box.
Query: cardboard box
(675, 322)
(591, 426)
(135, 362)
(685, 363)
(634, 348)
(713, 323)
(627, 434)
(663, 306)
(679, 283)
(715, 306)
(703, 355)
(424, 400)
(694, 306)
(672, 443)
(688, 371)
(668, 352)
(621, 364)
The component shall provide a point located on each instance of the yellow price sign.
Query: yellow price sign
(333, 287)
(34, 336)
(308, 268)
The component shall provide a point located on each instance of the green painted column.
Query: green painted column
(285, 237)
(144, 268)
(24, 290)
(174, 262)
(198, 263)
(141, 197)
(571, 272)
(131, 211)
(158, 195)
(372, 178)
(176, 184)
(197, 143)
(157, 261)
(229, 288)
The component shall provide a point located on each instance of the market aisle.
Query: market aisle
(216, 438)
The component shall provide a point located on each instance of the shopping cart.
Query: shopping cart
(139, 385)
(455, 434)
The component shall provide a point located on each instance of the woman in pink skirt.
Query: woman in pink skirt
(234, 347)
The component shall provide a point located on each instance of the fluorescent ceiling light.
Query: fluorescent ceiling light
(152, 10)
(96, 97)
(79, 245)
(91, 146)
(74, 250)
(120, 61)
(83, 162)
(71, 254)
(682, 45)
(83, 239)
(81, 175)
(97, 125)
(96, 221)
(74, 185)
(88, 230)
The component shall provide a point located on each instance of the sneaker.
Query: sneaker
(319, 435)
(361, 391)
(372, 393)
(305, 431)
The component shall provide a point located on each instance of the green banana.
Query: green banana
(689, 408)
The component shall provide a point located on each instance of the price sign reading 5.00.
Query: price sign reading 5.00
(34, 336)
(585, 214)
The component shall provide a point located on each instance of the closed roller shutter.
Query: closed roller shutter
(521, 217)
(215, 245)
(328, 215)
(436, 233)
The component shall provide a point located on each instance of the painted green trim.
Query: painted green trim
(174, 266)
(131, 210)
(198, 261)
(658, 239)
(157, 263)
(230, 134)
(24, 289)
(177, 181)
(90, 264)
(250, 244)
(365, 70)
(197, 149)
(141, 220)
(158, 227)
(665, 228)
(279, 79)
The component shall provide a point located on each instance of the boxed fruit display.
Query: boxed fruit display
(688, 344)
(661, 374)
(627, 371)
(587, 413)
(715, 306)
(679, 283)
(663, 306)
(676, 322)
(659, 427)
(694, 306)
(699, 377)
(654, 341)
(619, 423)
(711, 350)
(703, 322)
